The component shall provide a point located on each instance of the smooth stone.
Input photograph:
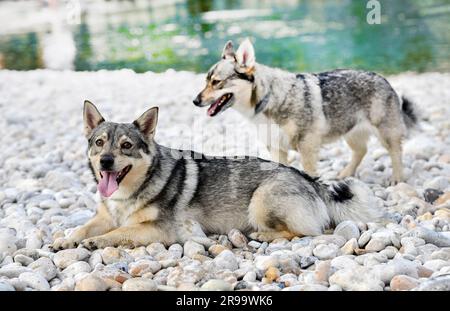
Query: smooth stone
(444, 198)
(348, 230)
(437, 238)
(76, 268)
(35, 281)
(205, 241)
(176, 250)
(13, 270)
(216, 285)
(237, 238)
(365, 238)
(23, 260)
(45, 267)
(155, 248)
(307, 288)
(356, 279)
(386, 271)
(139, 284)
(226, 260)
(326, 251)
(192, 248)
(143, 266)
(272, 274)
(49, 204)
(343, 262)
(95, 258)
(111, 255)
(349, 247)
(264, 262)
(216, 249)
(403, 282)
(5, 286)
(65, 258)
(250, 276)
(436, 264)
(91, 283)
(307, 261)
(439, 283)
(375, 245)
(431, 195)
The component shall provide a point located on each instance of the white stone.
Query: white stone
(35, 281)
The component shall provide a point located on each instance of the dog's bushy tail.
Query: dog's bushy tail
(352, 200)
(409, 112)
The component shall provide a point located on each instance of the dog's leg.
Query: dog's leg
(100, 224)
(269, 236)
(357, 141)
(132, 236)
(392, 141)
(309, 149)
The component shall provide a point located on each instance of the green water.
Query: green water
(296, 35)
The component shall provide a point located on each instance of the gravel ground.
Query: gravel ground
(46, 190)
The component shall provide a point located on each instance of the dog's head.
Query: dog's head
(119, 153)
(229, 81)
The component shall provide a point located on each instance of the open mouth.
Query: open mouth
(218, 105)
(109, 181)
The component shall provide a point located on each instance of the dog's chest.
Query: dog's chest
(120, 211)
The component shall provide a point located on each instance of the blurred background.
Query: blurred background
(298, 35)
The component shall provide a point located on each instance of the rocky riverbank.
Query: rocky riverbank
(46, 190)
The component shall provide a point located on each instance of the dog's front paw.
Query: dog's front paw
(261, 236)
(95, 243)
(64, 243)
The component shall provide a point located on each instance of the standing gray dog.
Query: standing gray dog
(151, 193)
(310, 109)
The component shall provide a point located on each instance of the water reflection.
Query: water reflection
(188, 35)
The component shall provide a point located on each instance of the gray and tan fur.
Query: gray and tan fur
(310, 109)
(164, 194)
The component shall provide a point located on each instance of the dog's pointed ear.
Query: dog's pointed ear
(245, 55)
(228, 50)
(91, 117)
(146, 123)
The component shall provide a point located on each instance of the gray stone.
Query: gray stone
(45, 267)
(226, 260)
(348, 230)
(35, 281)
(237, 238)
(326, 251)
(65, 258)
(192, 248)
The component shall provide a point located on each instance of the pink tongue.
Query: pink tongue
(108, 184)
(212, 109)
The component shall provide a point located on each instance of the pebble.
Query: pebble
(375, 245)
(91, 283)
(326, 251)
(139, 284)
(144, 266)
(65, 258)
(216, 285)
(349, 247)
(23, 260)
(5, 286)
(365, 238)
(356, 279)
(226, 260)
(348, 230)
(431, 195)
(45, 267)
(216, 249)
(237, 238)
(35, 281)
(111, 255)
(76, 268)
(403, 282)
(265, 262)
(192, 248)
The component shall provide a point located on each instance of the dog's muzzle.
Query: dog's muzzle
(106, 162)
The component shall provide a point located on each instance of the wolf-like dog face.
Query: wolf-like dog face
(230, 80)
(119, 153)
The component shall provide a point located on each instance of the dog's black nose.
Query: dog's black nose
(197, 101)
(107, 161)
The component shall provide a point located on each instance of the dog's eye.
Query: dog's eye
(215, 82)
(99, 142)
(126, 145)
